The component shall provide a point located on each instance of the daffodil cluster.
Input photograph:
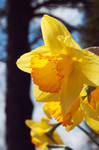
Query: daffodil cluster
(60, 69)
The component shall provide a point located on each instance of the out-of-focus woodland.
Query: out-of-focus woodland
(19, 14)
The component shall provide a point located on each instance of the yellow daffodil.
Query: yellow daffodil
(40, 134)
(90, 109)
(60, 67)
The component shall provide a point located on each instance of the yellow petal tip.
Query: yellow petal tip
(28, 123)
(45, 19)
(46, 16)
(24, 62)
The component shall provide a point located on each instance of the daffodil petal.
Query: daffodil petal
(42, 96)
(42, 126)
(36, 129)
(46, 110)
(33, 124)
(89, 111)
(76, 119)
(89, 66)
(92, 123)
(56, 35)
(71, 90)
(87, 63)
(51, 29)
(24, 62)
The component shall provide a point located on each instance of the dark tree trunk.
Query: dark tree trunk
(18, 104)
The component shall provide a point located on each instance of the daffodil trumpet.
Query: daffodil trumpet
(60, 67)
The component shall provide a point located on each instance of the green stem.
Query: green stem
(50, 133)
(59, 146)
(88, 134)
(51, 138)
(54, 128)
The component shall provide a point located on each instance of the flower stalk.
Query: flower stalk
(59, 146)
(54, 128)
(50, 132)
(88, 134)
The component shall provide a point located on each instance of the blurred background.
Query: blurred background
(19, 33)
